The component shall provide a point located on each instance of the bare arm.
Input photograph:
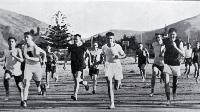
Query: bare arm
(56, 57)
(136, 56)
(89, 56)
(19, 57)
(147, 55)
(180, 49)
(66, 59)
(3, 58)
(192, 54)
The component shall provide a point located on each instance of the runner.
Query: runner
(196, 60)
(188, 59)
(158, 64)
(113, 68)
(96, 54)
(143, 58)
(174, 52)
(32, 65)
(13, 59)
(50, 65)
(78, 53)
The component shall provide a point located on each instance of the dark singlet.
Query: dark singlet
(171, 56)
(196, 55)
(50, 59)
(77, 56)
(141, 56)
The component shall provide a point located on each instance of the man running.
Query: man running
(50, 65)
(96, 55)
(13, 59)
(188, 59)
(33, 62)
(173, 53)
(196, 60)
(113, 69)
(143, 58)
(158, 64)
(78, 55)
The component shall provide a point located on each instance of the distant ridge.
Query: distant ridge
(14, 24)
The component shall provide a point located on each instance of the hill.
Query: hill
(119, 33)
(188, 29)
(14, 24)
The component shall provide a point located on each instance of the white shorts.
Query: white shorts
(113, 70)
(33, 71)
(174, 70)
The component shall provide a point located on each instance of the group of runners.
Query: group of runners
(26, 63)
(169, 53)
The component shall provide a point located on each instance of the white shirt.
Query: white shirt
(110, 52)
(35, 51)
(188, 53)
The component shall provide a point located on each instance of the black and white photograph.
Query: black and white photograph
(99, 56)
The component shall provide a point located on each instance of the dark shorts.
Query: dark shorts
(188, 61)
(142, 62)
(195, 60)
(75, 69)
(74, 73)
(93, 71)
(50, 68)
(161, 68)
(17, 78)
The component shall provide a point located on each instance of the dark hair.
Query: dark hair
(110, 34)
(12, 38)
(139, 43)
(27, 33)
(95, 42)
(172, 30)
(188, 43)
(77, 35)
(158, 34)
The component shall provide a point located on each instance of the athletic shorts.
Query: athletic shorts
(77, 67)
(174, 70)
(17, 78)
(195, 60)
(155, 67)
(113, 70)
(33, 71)
(50, 68)
(188, 61)
(93, 71)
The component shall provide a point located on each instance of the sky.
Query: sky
(89, 17)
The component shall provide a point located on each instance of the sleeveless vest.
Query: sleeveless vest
(172, 56)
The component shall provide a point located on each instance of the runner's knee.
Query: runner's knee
(26, 83)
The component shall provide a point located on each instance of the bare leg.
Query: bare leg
(110, 92)
(47, 78)
(153, 79)
(77, 81)
(196, 70)
(94, 82)
(26, 88)
(6, 85)
(38, 83)
(175, 78)
(143, 73)
(167, 88)
(197, 76)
